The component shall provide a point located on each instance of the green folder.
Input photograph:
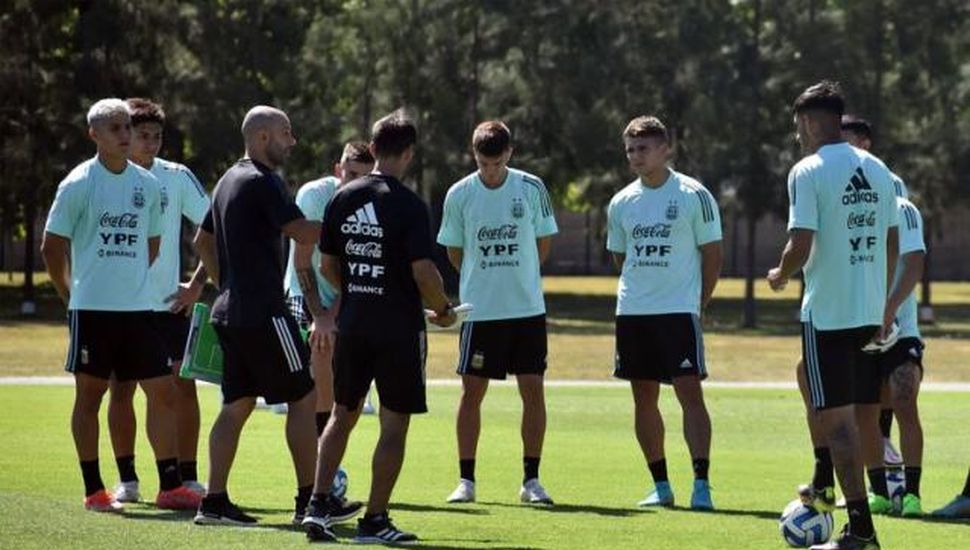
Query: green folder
(203, 354)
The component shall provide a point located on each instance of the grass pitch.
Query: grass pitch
(591, 466)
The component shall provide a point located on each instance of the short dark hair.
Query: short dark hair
(357, 151)
(645, 127)
(856, 125)
(491, 138)
(144, 110)
(393, 134)
(825, 96)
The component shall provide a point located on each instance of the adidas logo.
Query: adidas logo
(686, 364)
(858, 190)
(363, 222)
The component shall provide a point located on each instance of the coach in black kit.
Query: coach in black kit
(239, 242)
(376, 246)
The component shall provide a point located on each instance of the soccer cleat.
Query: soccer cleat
(334, 509)
(179, 498)
(662, 495)
(700, 498)
(317, 524)
(379, 530)
(848, 541)
(465, 492)
(102, 501)
(127, 491)
(959, 507)
(912, 506)
(880, 505)
(195, 487)
(890, 456)
(222, 512)
(823, 500)
(532, 492)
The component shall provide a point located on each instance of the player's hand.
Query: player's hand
(322, 334)
(181, 300)
(888, 316)
(445, 320)
(775, 279)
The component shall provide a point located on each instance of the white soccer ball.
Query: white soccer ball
(896, 482)
(802, 526)
(339, 487)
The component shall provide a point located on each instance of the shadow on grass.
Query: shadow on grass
(759, 514)
(576, 509)
(452, 509)
(937, 519)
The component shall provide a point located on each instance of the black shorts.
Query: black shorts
(271, 361)
(906, 350)
(125, 344)
(659, 347)
(394, 362)
(173, 329)
(839, 373)
(493, 349)
(299, 311)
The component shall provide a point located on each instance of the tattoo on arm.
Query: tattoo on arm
(311, 295)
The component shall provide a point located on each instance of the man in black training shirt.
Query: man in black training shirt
(376, 246)
(240, 245)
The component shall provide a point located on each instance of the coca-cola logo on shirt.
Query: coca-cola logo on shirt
(861, 219)
(126, 220)
(366, 250)
(498, 233)
(655, 231)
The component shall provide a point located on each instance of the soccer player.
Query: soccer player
(497, 226)
(664, 231)
(240, 244)
(309, 296)
(959, 507)
(101, 237)
(181, 195)
(848, 267)
(377, 248)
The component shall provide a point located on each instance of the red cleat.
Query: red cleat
(179, 498)
(102, 501)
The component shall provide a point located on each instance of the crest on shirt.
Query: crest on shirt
(672, 210)
(138, 198)
(518, 210)
(164, 198)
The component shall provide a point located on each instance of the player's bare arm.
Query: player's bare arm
(544, 245)
(188, 293)
(205, 247)
(455, 256)
(793, 258)
(712, 256)
(55, 250)
(912, 264)
(303, 231)
(892, 256)
(153, 245)
(330, 268)
(432, 291)
(303, 262)
(618, 260)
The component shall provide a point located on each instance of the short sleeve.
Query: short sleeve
(65, 211)
(615, 235)
(707, 218)
(802, 202)
(543, 215)
(275, 202)
(195, 201)
(417, 234)
(310, 201)
(910, 229)
(452, 231)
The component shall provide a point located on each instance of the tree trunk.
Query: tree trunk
(28, 306)
(926, 299)
(750, 314)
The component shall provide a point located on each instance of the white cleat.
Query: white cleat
(195, 487)
(127, 491)
(532, 492)
(890, 456)
(465, 492)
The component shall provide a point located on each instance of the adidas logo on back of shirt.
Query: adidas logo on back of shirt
(363, 222)
(858, 190)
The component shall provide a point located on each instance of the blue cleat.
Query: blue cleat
(959, 507)
(700, 499)
(662, 495)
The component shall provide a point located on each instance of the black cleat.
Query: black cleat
(222, 512)
(379, 530)
(848, 541)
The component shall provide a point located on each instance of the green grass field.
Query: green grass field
(591, 465)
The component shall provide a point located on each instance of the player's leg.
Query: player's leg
(122, 428)
(891, 456)
(88, 393)
(468, 424)
(526, 354)
(388, 458)
(904, 382)
(188, 425)
(649, 428)
(697, 433)
(321, 361)
(821, 491)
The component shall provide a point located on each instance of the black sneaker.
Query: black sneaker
(317, 525)
(339, 509)
(299, 508)
(848, 541)
(219, 511)
(379, 529)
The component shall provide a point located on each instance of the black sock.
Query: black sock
(371, 517)
(530, 465)
(658, 469)
(701, 466)
(168, 474)
(189, 470)
(126, 468)
(886, 422)
(303, 495)
(466, 467)
(319, 497)
(91, 472)
(322, 419)
(913, 475)
(877, 481)
(824, 471)
(860, 519)
(966, 487)
(216, 498)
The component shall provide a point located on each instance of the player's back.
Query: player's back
(847, 197)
